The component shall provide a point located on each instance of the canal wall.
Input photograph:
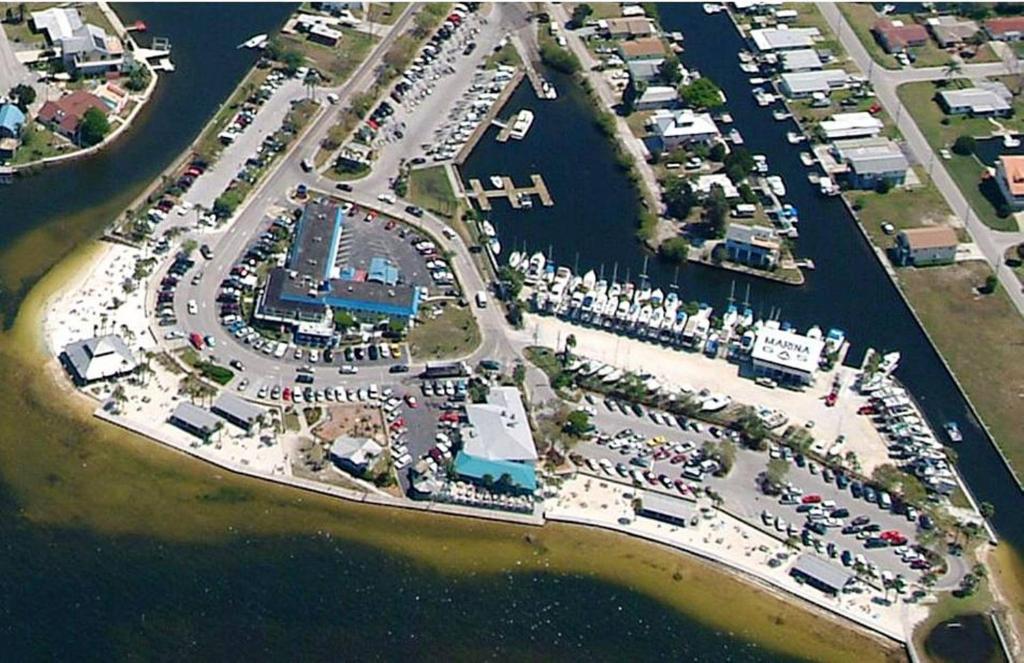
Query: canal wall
(492, 113)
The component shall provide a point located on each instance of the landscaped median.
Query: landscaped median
(964, 166)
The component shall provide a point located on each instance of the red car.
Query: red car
(810, 499)
(196, 340)
(681, 486)
(398, 423)
(831, 399)
(391, 225)
(866, 409)
(660, 454)
(287, 393)
(888, 535)
(410, 400)
(678, 458)
(450, 417)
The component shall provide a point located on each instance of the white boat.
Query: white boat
(515, 260)
(548, 90)
(525, 201)
(497, 182)
(258, 41)
(758, 80)
(795, 138)
(716, 402)
(488, 228)
(522, 124)
(589, 279)
(1010, 141)
(806, 158)
(495, 245)
(827, 187)
(953, 431)
(776, 184)
(779, 115)
(735, 137)
(749, 68)
(712, 7)
(725, 118)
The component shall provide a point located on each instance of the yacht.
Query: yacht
(515, 260)
(495, 246)
(781, 115)
(794, 137)
(497, 182)
(488, 228)
(953, 431)
(522, 124)
(775, 183)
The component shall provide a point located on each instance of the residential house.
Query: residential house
(56, 23)
(1010, 28)
(12, 121)
(703, 184)
(850, 125)
(951, 31)
(934, 245)
(65, 115)
(626, 28)
(86, 49)
(986, 99)
(657, 96)
(779, 39)
(805, 84)
(1010, 178)
(644, 48)
(645, 71)
(756, 246)
(356, 455)
(99, 358)
(803, 59)
(673, 129)
(897, 37)
(323, 34)
(870, 161)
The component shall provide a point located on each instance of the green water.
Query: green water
(111, 547)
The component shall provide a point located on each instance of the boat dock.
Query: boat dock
(506, 130)
(527, 56)
(489, 118)
(511, 192)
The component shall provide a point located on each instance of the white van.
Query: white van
(481, 299)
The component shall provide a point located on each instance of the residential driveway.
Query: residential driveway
(232, 160)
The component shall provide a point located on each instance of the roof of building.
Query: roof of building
(500, 429)
(11, 118)
(932, 237)
(822, 571)
(239, 409)
(521, 474)
(359, 451)
(86, 38)
(285, 293)
(642, 47)
(684, 122)
(67, 112)
(100, 357)
(321, 30)
(1002, 26)
(704, 183)
(985, 97)
(666, 505)
(843, 125)
(637, 26)
(871, 155)
(762, 236)
(814, 81)
(383, 271)
(645, 69)
(900, 35)
(195, 417)
(659, 94)
(788, 349)
(803, 58)
(1013, 166)
(57, 22)
(950, 29)
(782, 38)
(317, 234)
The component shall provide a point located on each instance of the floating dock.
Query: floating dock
(511, 192)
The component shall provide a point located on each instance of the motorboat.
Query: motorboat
(795, 138)
(515, 260)
(775, 183)
(495, 246)
(735, 137)
(1009, 140)
(525, 201)
(712, 7)
(780, 115)
(488, 229)
(806, 158)
(522, 124)
(953, 431)
(497, 182)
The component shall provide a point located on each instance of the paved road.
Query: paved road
(993, 244)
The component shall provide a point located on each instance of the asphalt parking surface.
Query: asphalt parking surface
(362, 241)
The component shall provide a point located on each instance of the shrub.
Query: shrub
(675, 250)
(964, 145)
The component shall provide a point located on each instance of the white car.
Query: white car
(388, 198)
(192, 308)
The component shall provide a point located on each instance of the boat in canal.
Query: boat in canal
(522, 124)
(488, 228)
(497, 182)
(953, 431)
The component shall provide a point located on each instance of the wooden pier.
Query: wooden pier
(506, 130)
(489, 117)
(511, 192)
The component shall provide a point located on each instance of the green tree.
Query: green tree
(558, 58)
(669, 72)
(138, 78)
(952, 69)
(701, 94)
(752, 430)
(987, 510)
(679, 197)
(675, 250)
(718, 152)
(716, 211)
(578, 423)
(580, 13)
(776, 473)
(964, 145)
(23, 96)
(739, 163)
(513, 280)
(189, 246)
(93, 128)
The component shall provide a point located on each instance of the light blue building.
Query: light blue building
(12, 121)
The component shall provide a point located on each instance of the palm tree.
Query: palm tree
(953, 69)
(119, 396)
(310, 82)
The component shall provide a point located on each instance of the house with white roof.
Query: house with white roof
(673, 129)
(778, 39)
(851, 125)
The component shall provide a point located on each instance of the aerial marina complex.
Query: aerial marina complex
(683, 288)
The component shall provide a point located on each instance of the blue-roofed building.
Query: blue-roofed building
(521, 476)
(382, 271)
(11, 121)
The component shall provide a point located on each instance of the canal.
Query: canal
(113, 546)
(592, 226)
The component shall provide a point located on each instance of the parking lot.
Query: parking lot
(663, 467)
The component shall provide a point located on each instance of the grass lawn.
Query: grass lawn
(601, 10)
(967, 171)
(208, 145)
(980, 336)
(637, 123)
(20, 34)
(862, 16)
(39, 142)
(809, 16)
(506, 55)
(338, 62)
(430, 189)
(902, 208)
(454, 333)
(385, 13)
(1014, 259)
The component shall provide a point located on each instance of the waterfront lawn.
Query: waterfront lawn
(967, 171)
(454, 333)
(923, 206)
(637, 123)
(336, 63)
(38, 142)
(809, 16)
(980, 336)
(430, 189)
(506, 55)
(601, 10)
